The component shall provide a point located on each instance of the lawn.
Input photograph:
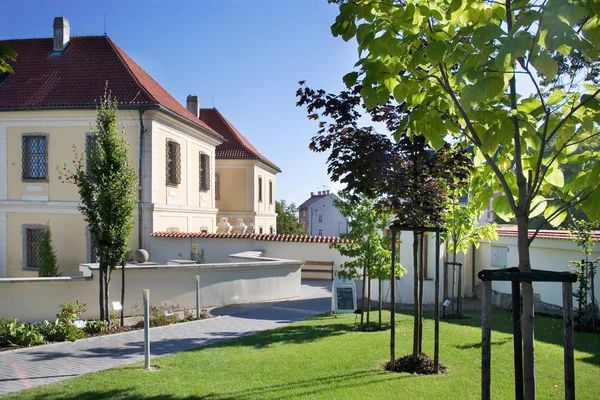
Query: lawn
(323, 358)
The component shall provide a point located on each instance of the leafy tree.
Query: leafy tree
(454, 64)
(6, 53)
(587, 309)
(107, 190)
(366, 246)
(48, 264)
(287, 219)
(464, 231)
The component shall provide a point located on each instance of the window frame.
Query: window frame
(217, 186)
(173, 166)
(25, 230)
(24, 138)
(204, 180)
(260, 185)
(270, 191)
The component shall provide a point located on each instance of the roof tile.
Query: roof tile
(255, 236)
(237, 146)
(77, 78)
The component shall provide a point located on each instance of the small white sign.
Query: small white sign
(446, 303)
(117, 306)
(79, 323)
(168, 313)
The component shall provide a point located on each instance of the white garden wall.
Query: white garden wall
(34, 299)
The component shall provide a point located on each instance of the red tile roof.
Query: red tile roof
(511, 231)
(254, 236)
(77, 78)
(237, 146)
(311, 200)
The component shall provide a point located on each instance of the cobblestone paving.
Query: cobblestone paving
(25, 368)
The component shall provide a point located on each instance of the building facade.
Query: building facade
(47, 115)
(321, 217)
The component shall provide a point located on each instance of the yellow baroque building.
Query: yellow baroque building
(196, 171)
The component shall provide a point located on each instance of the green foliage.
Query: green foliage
(107, 191)
(159, 315)
(453, 62)
(587, 315)
(196, 255)
(71, 311)
(59, 331)
(463, 229)
(48, 265)
(366, 244)
(12, 333)
(6, 53)
(287, 219)
(96, 326)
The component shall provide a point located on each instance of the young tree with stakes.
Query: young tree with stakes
(464, 231)
(107, 190)
(408, 178)
(455, 62)
(371, 257)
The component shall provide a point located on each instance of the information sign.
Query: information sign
(343, 298)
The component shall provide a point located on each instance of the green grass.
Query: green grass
(323, 358)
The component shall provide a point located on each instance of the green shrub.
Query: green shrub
(96, 326)
(157, 315)
(5, 329)
(48, 263)
(13, 333)
(71, 311)
(59, 331)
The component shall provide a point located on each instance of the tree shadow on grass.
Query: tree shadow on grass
(547, 329)
(301, 387)
(296, 334)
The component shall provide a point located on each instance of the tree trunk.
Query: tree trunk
(380, 301)
(415, 354)
(368, 295)
(421, 278)
(123, 293)
(528, 316)
(101, 290)
(107, 295)
(364, 305)
(458, 311)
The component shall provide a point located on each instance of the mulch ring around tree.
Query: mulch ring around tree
(371, 327)
(456, 316)
(423, 366)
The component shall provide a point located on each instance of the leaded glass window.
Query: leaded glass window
(35, 157)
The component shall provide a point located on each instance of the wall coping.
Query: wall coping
(260, 262)
(45, 279)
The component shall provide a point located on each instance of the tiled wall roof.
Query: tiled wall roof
(254, 236)
(511, 231)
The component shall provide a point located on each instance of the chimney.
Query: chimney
(193, 105)
(62, 33)
(328, 192)
(312, 194)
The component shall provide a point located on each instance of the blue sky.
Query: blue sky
(247, 55)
